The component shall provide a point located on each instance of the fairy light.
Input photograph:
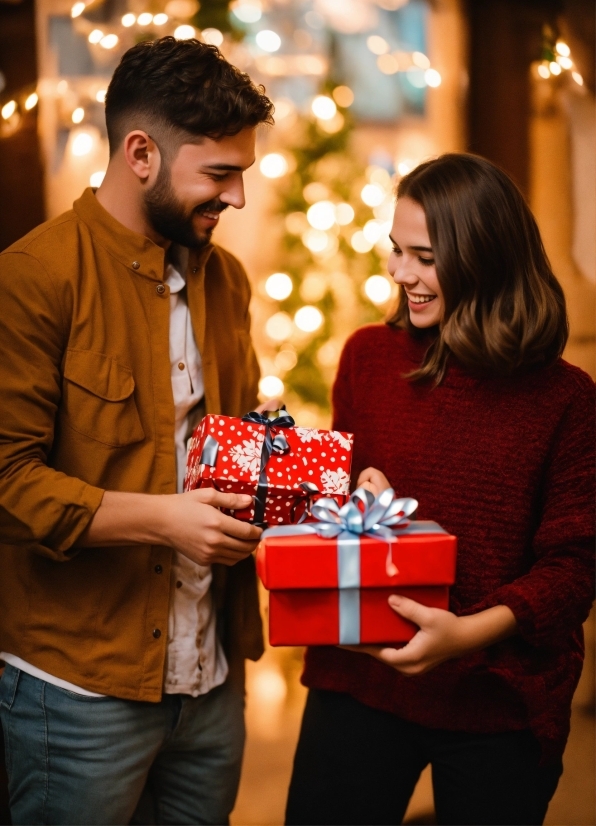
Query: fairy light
(377, 45)
(31, 101)
(286, 359)
(78, 115)
(323, 107)
(315, 191)
(279, 286)
(268, 40)
(344, 214)
(554, 67)
(273, 165)
(432, 78)
(77, 10)
(372, 195)
(405, 166)
(95, 36)
(271, 386)
(213, 37)
(332, 125)
(145, 19)
(96, 179)
(565, 62)
(378, 289)
(544, 71)
(314, 287)
(82, 144)
(296, 223)
(247, 12)
(279, 326)
(360, 243)
(343, 96)
(321, 215)
(315, 240)
(160, 19)
(308, 319)
(387, 64)
(372, 231)
(184, 32)
(415, 76)
(578, 78)
(128, 20)
(421, 60)
(100, 95)
(9, 109)
(109, 41)
(562, 48)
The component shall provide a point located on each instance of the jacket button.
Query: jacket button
(135, 265)
(158, 569)
(156, 633)
(160, 289)
(195, 269)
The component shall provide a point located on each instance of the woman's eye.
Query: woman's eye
(426, 262)
(396, 250)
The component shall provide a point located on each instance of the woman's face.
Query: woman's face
(412, 264)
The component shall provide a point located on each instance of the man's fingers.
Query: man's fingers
(408, 609)
(270, 404)
(237, 529)
(210, 496)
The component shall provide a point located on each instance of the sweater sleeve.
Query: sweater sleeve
(39, 506)
(554, 597)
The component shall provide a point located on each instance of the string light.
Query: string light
(96, 179)
(578, 78)
(321, 215)
(360, 243)
(82, 144)
(314, 287)
(554, 67)
(564, 62)
(9, 109)
(344, 214)
(432, 78)
(378, 289)
(109, 41)
(247, 12)
(296, 223)
(415, 76)
(343, 96)
(78, 114)
(377, 44)
(128, 20)
(308, 319)
(268, 41)
(160, 19)
(213, 36)
(273, 165)
(95, 36)
(387, 64)
(279, 286)
(279, 326)
(77, 10)
(286, 359)
(373, 195)
(332, 125)
(323, 107)
(271, 386)
(405, 166)
(184, 32)
(421, 60)
(100, 96)
(315, 191)
(372, 231)
(315, 240)
(562, 48)
(544, 71)
(31, 101)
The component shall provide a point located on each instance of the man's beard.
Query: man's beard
(169, 218)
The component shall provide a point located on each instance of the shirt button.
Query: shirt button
(135, 265)
(178, 584)
(156, 633)
(160, 289)
(181, 365)
(195, 269)
(158, 569)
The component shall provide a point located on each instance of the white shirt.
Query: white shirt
(195, 661)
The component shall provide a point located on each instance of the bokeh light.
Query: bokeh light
(308, 319)
(279, 286)
(96, 179)
(249, 11)
(279, 326)
(271, 386)
(273, 165)
(160, 19)
(31, 101)
(373, 195)
(360, 242)
(344, 214)
(323, 107)
(377, 44)
(95, 36)
(77, 10)
(268, 40)
(128, 20)
(82, 144)
(433, 78)
(9, 109)
(184, 32)
(343, 96)
(321, 215)
(377, 289)
(145, 19)
(78, 115)
(212, 36)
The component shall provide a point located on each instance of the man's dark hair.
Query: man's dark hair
(181, 88)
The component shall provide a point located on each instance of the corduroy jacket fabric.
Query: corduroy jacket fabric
(87, 406)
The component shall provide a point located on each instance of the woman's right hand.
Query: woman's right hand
(373, 480)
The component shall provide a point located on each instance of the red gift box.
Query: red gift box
(307, 606)
(225, 453)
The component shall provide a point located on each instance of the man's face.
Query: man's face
(190, 193)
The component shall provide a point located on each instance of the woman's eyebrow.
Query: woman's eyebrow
(416, 249)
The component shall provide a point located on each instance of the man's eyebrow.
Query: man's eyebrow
(227, 167)
(416, 249)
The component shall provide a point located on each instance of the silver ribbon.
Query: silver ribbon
(209, 452)
(382, 517)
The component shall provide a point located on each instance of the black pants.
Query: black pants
(357, 765)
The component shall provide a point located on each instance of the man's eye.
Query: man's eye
(218, 177)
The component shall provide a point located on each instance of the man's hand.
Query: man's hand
(269, 406)
(373, 480)
(442, 635)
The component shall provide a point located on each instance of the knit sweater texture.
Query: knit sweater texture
(507, 465)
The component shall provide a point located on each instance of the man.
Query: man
(121, 325)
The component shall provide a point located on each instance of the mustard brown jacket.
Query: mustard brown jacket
(86, 406)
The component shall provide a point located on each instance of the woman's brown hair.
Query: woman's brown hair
(504, 308)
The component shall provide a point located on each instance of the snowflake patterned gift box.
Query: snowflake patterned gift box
(226, 453)
(329, 580)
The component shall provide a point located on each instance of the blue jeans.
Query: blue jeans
(73, 759)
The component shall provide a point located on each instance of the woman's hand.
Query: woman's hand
(442, 635)
(373, 480)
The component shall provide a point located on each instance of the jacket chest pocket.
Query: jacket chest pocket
(98, 398)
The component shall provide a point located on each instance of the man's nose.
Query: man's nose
(233, 195)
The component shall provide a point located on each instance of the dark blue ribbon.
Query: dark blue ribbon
(273, 443)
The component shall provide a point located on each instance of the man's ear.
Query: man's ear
(141, 154)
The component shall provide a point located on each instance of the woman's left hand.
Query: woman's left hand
(442, 635)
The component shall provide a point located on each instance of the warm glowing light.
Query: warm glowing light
(328, 354)
(284, 107)
(421, 60)
(184, 32)
(296, 223)
(96, 179)
(308, 319)
(213, 36)
(160, 19)
(77, 10)
(9, 109)
(387, 64)
(565, 62)
(82, 144)
(432, 77)
(279, 286)
(360, 243)
(273, 165)
(562, 48)
(109, 41)
(372, 231)
(334, 124)
(31, 101)
(378, 175)
(321, 215)
(95, 36)
(578, 78)
(268, 40)
(271, 386)
(373, 195)
(279, 326)
(405, 166)
(286, 360)
(416, 77)
(323, 107)
(554, 67)
(315, 191)
(247, 12)
(377, 44)
(100, 96)
(128, 20)
(78, 114)
(343, 96)
(377, 289)
(315, 240)
(145, 19)
(268, 684)
(314, 287)
(344, 214)
(544, 71)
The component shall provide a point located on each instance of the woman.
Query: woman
(462, 401)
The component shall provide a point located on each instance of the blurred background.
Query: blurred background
(364, 90)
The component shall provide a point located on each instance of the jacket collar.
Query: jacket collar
(136, 252)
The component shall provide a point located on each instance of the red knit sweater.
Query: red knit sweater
(507, 465)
